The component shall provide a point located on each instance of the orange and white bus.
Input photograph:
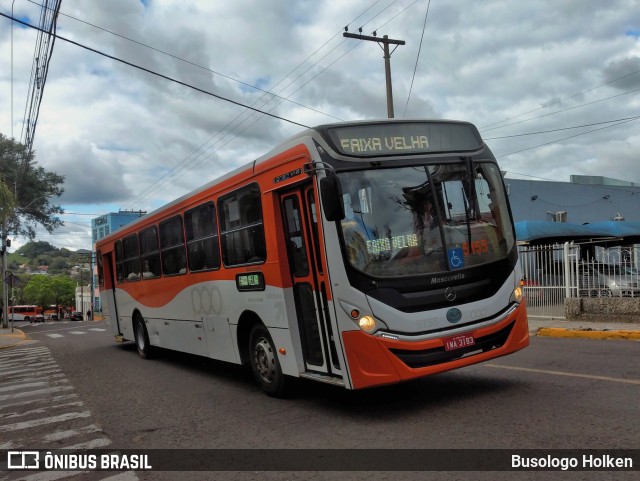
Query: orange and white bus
(53, 312)
(26, 313)
(316, 261)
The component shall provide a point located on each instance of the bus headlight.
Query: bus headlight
(517, 295)
(370, 324)
(367, 324)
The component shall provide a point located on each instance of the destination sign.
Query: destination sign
(403, 138)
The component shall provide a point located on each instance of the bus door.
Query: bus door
(110, 308)
(310, 279)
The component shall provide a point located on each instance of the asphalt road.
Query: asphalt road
(556, 394)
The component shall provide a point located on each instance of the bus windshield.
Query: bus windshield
(425, 219)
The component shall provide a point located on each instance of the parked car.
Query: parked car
(76, 316)
(606, 280)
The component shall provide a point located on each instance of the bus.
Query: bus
(26, 313)
(314, 261)
(53, 312)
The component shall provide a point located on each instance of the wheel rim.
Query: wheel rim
(264, 360)
(140, 336)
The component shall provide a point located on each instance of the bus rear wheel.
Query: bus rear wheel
(142, 338)
(264, 362)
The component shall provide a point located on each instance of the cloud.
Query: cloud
(125, 138)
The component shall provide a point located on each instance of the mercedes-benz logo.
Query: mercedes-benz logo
(450, 294)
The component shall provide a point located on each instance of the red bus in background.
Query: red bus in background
(24, 313)
(53, 312)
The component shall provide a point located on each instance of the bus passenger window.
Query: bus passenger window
(150, 253)
(241, 227)
(174, 258)
(119, 263)
(131, 258)
(202, 238)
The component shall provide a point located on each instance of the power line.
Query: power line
(563, 110)
(154, 187)
(566, 138)
(39, 70)
(142, 44)
(157, 74)
(559, 101)
(560, 129)
(415, 68)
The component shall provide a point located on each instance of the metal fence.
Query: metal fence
(554, 272)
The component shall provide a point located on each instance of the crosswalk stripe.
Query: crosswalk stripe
(35, 401)
(35, 398)
(43, 421)
(68, 433)
(39, 392)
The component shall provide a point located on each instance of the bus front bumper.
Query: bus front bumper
(375, 361)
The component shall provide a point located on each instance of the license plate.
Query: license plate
(457, 342)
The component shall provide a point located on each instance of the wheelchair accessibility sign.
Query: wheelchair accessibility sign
(456, 258)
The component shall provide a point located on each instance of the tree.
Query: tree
(7, 200)
(47, 290)
(33, 187)
(35, 248)
(39, 291)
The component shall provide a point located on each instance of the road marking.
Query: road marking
(55, 335)
(128, 476)
(24, 385)
(568, 374)
(31, 382)
(60, 435)
(43, 421)
(97, 329)
(77, 332)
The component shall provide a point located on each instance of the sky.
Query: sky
(553, 86)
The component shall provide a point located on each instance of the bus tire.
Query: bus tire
(142, 338)
(264, 362)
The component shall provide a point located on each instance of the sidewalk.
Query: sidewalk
(587, 329)
(9, 338)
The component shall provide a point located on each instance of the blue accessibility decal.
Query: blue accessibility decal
(456, 258)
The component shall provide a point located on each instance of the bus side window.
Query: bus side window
(150, 253)
(131, 257)
(241, 227)
(119, 262)
(202, 238)
(174, 258)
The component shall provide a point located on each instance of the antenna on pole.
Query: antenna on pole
(385, 41)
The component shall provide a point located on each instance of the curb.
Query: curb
(17, 336)
(588, 334)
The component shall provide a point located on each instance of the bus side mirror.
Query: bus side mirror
(332, 203)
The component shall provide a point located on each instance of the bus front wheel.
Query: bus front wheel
(264, 362)
(142, 339)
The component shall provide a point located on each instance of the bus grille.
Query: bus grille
(438, 355)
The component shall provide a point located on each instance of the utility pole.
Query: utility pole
(385, 41)
(3, 273)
